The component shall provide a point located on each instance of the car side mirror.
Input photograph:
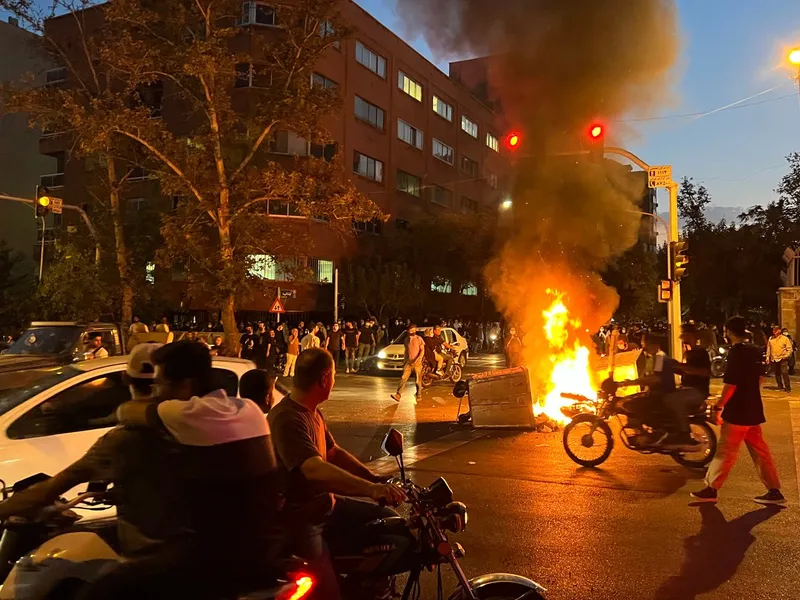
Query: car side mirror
(392, 444)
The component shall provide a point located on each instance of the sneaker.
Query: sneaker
(348, 371)
(707, 494)
(396, 397)
(771, 497)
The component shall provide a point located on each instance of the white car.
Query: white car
(50, 424)
(391, 357)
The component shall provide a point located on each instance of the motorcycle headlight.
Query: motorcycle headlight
(722, 351)
(382, 354)
(454, 517)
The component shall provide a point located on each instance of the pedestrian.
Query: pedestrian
(217, 347)
(793, 358)
(272, 350)
(162, 327)
(779, 353)
(248, 343)
(262, 346)
(350, 346)
(366, 339)
(322, 334)
(741, 419)
(137, 326)
(292, 350)
(413, 355)
(514, 347)
(335, 343)
(310, 340)
(380, 335)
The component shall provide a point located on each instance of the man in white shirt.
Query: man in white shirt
(137, 327)
(311, 339)
(95, 348)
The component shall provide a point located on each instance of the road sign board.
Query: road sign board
(659, 176)
(288, 293)
(56, 205)
(277, 306)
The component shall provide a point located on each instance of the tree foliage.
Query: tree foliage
(16, 291)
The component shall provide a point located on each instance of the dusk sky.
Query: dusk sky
(732, 49)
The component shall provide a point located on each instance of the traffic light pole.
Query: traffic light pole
(41, 254)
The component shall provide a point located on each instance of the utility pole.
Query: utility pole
(336, 295)
(41, 254)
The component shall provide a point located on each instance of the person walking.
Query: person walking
(779, 353)
(311, 339)
(350, 346)
(292, 350)
(414, 353)
(742, 416)
(366, 340)
(334, 343)
(514, 348)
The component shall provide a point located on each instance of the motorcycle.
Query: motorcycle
(644, 423)
(432, 514)
(52, 557)
(452, 373)
(719, 360)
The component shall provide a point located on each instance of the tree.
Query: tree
(692, 202)
(216, 157)
(16, 291)
(381, 287)
(635, 276)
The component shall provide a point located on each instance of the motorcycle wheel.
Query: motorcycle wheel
(578, 440)
(455, 373)
(507, 591)
(703, 433)
(427, 378)
(717, 367)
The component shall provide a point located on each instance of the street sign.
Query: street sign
(659, 176)
(288, 293)
(277, 306)
(56, 205)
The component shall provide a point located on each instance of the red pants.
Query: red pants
(730, 440)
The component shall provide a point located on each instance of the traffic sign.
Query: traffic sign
(277, 306)
(56, 205)
(659, 176)
(288, 293)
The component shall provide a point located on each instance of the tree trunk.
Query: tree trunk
(226, 253)
(123, 259)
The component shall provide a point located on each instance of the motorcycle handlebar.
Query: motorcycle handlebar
(577, 397)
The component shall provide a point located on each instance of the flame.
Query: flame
(571, 370)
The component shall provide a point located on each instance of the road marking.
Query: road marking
(387, 465)
(794, 417)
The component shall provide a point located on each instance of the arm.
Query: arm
(335, 479)
(347, 462)
(727, 393)
(139, 413)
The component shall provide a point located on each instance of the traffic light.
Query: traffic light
(595, 139)
(665, 291)
(513, 141)
(596, 131)
(44, 203)
(678, 260)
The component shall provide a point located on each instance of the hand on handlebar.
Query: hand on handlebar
(388, 493)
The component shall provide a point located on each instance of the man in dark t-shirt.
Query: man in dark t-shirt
(742, 416)
(316, 468)
(248, 344)
(366, 339)
(695, 374)
(350, 346)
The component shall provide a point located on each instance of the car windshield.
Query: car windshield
(46, 340)
(12, 398)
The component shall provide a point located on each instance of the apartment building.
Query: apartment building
(410, 136)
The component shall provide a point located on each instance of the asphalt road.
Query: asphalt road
(626, 530)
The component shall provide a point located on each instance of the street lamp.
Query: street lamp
(507, 204)
(794, 57)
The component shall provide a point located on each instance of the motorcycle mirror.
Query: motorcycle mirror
(392, 444)
(29, 481)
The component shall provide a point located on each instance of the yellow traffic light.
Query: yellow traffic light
(44, 201)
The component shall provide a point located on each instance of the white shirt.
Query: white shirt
(310, 341)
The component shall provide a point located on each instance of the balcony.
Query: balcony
(52, 181)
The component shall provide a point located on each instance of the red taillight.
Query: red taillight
(299, 589)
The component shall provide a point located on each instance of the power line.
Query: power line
(708, 112)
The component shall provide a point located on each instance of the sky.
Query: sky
(731, 50)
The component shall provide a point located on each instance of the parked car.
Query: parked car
(47, 345)
(50, 424)
(391, 357)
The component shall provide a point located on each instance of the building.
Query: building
(411, 138)
(21, 164)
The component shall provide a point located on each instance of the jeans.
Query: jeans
(363, 351)
(682, 403)
(730, 440)
(288, 371)
(407, 369)
(350, 359)
(336, 353)
(443, 358)
(342, 534)
(781, 370)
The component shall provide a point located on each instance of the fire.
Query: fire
(571, 371)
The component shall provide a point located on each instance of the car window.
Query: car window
(226, 380)
(88, 405)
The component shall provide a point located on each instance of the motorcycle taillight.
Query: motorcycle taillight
(298, 589)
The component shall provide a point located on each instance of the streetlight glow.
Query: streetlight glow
(794, 57)
(507, 203)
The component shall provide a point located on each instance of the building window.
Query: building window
(370, 113)
(401, 224)
(469, 166)
(373, 227)
(491, 142)
(137, 204)
(408, 183)
(441, 285)
(319, 80)
(322, 269)
(409, 86)
(288, 142)
(469, 126)
(267, 266)
(371, 60)
(150, 273)
(326, 30)
(258, 13)
(409, 134)
(55, 76)
(139, 174)
(441, 196)
(442, 108)
(491, 179)
(326, 152)
(368, 167)
(468, 205)
(443, 152)
(278, 208)
(250, 75)
(469, 289)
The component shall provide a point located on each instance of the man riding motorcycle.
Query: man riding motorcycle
(437, 345)
(321, 475)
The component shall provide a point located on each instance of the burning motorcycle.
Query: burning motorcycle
(644, 422)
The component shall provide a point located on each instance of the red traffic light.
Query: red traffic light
(513, 140)
(596, 131)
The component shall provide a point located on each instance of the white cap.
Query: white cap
(140, 363)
